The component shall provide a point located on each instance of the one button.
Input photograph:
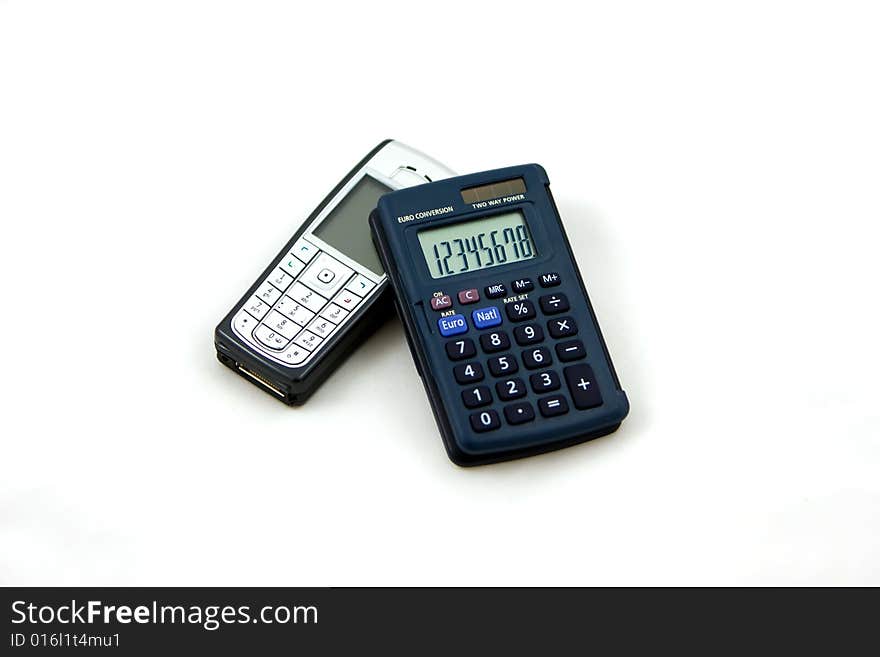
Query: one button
(553, 406)
(244, 323)
(296, 311)
(309, 298)
(334, 313)
(503, 365)
(545, 381)
(562, 327)
(347, 300)
(511, 389)
(305, 251)
(476, 396)
(271, 339)
(280, 279)
(519, 413)
(461, 349)
(486, 317)
(553, 303)
(291, 264)
(308, 340)
(281, 324)
(294, 354)
(582, 385)
(494, 341)
(468, 372)
(485, 421)
(452, 325)
(537, 358)
(528, 334)
(322, 327)
(441, 302)
(496, 291)
(549, 280)
(469, 296)
(518, 311)
(360, 285)
(326, 275)
(571, 350)
(268, 293)
(256, 307)
(522, 285)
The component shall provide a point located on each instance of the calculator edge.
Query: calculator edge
(233, 352)
(454, 451)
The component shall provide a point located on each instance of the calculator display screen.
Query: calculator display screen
(347, 227)
(477, 244)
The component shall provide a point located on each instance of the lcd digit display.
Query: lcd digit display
(482, 243)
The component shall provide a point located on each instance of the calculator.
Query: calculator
(326, 291)
(496, 314)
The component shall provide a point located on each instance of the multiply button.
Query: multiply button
(582, 385)
(452, 325)
(469, 296)
(562, 327)
(522, 285)
(549, 280)
(553, 303)
(486, 317)
(441, 303)
(496, 291)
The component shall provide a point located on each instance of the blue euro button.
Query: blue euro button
(452, 325)
(486, 317)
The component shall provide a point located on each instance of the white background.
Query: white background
(717, 168)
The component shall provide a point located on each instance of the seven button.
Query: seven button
(458, 349)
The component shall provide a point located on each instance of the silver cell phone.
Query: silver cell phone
(326, 291)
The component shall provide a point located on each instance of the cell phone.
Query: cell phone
(497, 316)
(326, 291)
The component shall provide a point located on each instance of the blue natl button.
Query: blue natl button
(452, 325)
(486, 317)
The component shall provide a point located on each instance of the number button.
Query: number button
(309, 298)
(562, 327)
(280, 279)
(510, 389)
(308, 340)
(270, 338)
(519, 413)
(503, 365)
(571, 350)
(553, 406)
(553, 303)
(582, 386)
(257, 308)
(468, 372)
(298, 313)
(528, 334)
(518, 311)
(476, 397)
(322, 327)
(537, 357)
(545, 381)
(494, 341)
(267, 293)
(334, 313)
(485, 421)
(281, 324)
(459, 349)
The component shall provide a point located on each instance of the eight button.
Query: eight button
(494, 341)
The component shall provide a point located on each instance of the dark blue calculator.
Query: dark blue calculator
(497, 316)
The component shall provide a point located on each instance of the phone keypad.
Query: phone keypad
(551, 360)
(301, 303)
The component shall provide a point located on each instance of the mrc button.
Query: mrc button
(486, 317)
(496, 291)
(452, 325)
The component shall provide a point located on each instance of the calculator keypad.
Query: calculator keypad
(301, 303)
(550, 361)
